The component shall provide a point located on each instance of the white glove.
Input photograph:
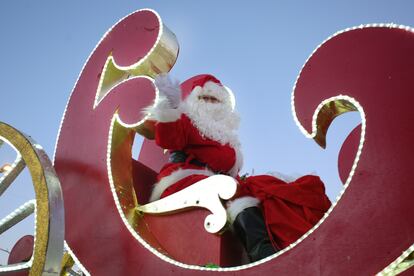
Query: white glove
(169, 89)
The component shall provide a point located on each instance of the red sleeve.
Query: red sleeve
(171, 135)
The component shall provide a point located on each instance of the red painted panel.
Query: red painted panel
(371, 225)
(348, 152)
(183, 237)
(21, 252)
(152, 155)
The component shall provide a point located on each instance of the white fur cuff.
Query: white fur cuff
(234, 207)
(173, 178)
(162, 112)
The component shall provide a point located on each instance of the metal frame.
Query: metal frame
(48, 205)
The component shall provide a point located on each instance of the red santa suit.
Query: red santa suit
(209, 146)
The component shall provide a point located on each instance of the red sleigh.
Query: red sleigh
(369, 230)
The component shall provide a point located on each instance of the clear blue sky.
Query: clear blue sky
(257, 48)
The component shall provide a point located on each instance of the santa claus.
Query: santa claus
(197, 123)
(199, 131)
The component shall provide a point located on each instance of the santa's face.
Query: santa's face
(212, 99)
(208, 99)
(211, 110)
(211, 107)
(211, 93)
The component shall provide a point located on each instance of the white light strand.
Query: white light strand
(393, 268)
(362, 26)
(126, 68)
(87, 60)
(118, 119)
(75, 259)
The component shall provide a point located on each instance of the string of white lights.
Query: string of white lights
(76, 260)
(396, 266)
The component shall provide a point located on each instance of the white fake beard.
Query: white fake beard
(217, 121)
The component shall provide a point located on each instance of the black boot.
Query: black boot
(250, 228)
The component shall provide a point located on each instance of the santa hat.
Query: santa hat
(165, 107)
